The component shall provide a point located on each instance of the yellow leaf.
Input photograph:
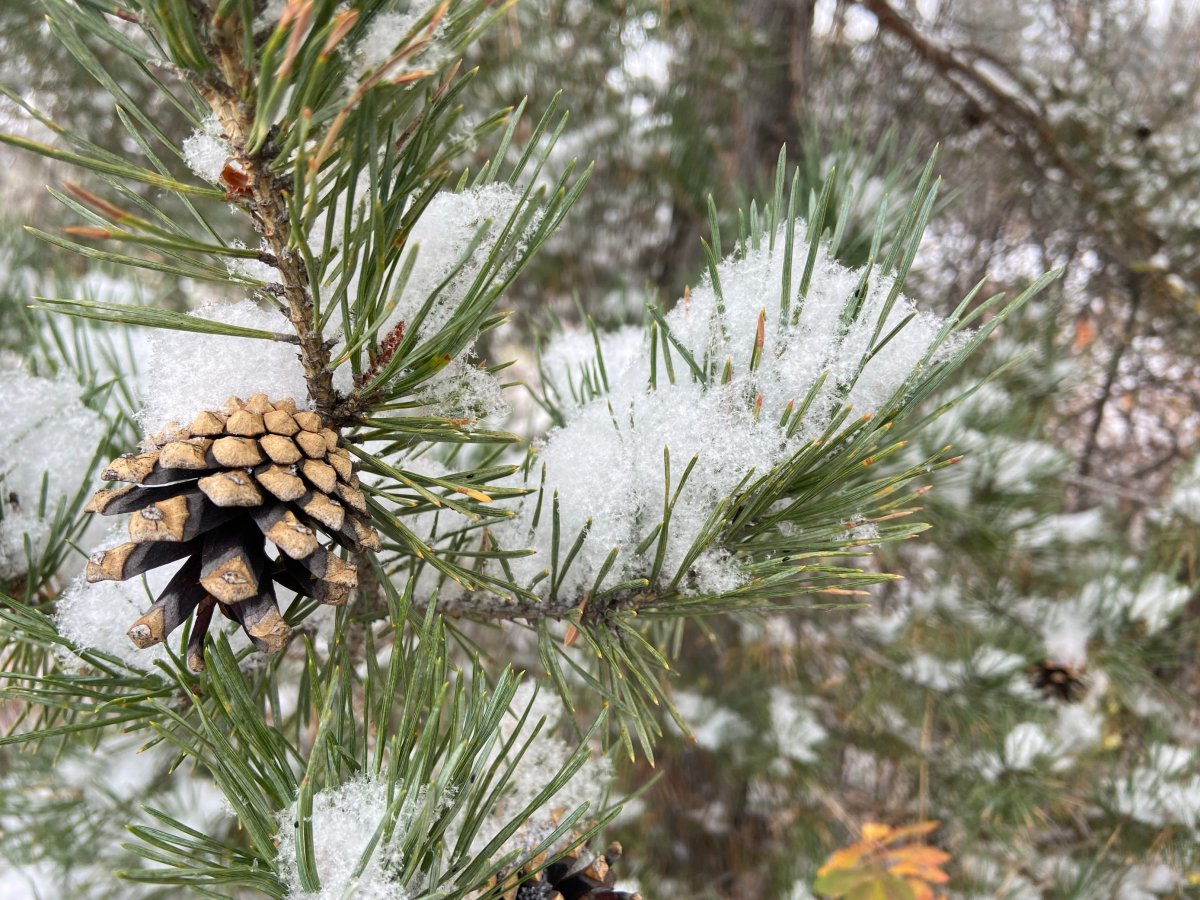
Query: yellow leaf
(917, 829)
(843, 859)
(876, 831)
(875, 868)
(937, 876)
(920, 860)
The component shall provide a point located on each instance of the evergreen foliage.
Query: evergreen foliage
(341, 220)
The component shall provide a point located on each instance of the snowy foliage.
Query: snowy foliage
(386, 35)
(1101, 607)
(1165, 790)
(712, 726)
(98, 790)
(545, 756)
(347, 820)
(97, 616)
(621, 432)
(462, 390)
(797, 731)
(49, 443)
(445, 257)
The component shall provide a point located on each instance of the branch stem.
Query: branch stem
(266, 200)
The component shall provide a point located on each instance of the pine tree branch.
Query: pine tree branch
(265, 201)
(493, 607)
(1124, 340)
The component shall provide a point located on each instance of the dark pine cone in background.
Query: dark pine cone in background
(569, 879)
(217, 494)
(1057, 681)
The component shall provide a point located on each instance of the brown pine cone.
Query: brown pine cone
(1058, 681)
(219, 494)
(569, 879)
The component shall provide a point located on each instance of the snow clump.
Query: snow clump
(621, 433)
(207, 150)
(344, 822)
(187, 372)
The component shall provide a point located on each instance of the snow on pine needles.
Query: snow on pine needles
(48, 444)
(605, 465)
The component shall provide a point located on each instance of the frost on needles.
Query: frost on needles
(734, 384)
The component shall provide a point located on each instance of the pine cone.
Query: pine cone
(1058, 681)
(217, 494)
(567, 879)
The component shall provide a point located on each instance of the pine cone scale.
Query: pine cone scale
(283, 483)
(200, 624)
(280, 449)
(234, 453)
(278, 421)
(230, 488)
(189, 455)
(127, 560)
(177, 601)
(281, 527)
(233, 565)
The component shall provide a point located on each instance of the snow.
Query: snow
(1149, 881)
(462, 390)
(384, 36)
(252, 269)
(206, 151)
(100, 789)
(1078, 727)
(1184, 499)
(1064, 528)
(345, 818)
(187, 373)
(713, 726)
(940, 675)
(1065, 635)
(344, 821)
(992, 662)
(1102, 605)
(48, 435)
(1024, 744)
(98, 616)
(717, 572)
(797, 731)
(624, 431)
(439, 242)
(1161, 792)
(437, 252)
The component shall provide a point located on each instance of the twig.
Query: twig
(264, 200)
(1092, 442)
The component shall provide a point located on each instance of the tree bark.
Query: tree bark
(776, 83)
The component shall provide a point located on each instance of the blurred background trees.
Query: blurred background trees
(1068, 135)
(1032, 682)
